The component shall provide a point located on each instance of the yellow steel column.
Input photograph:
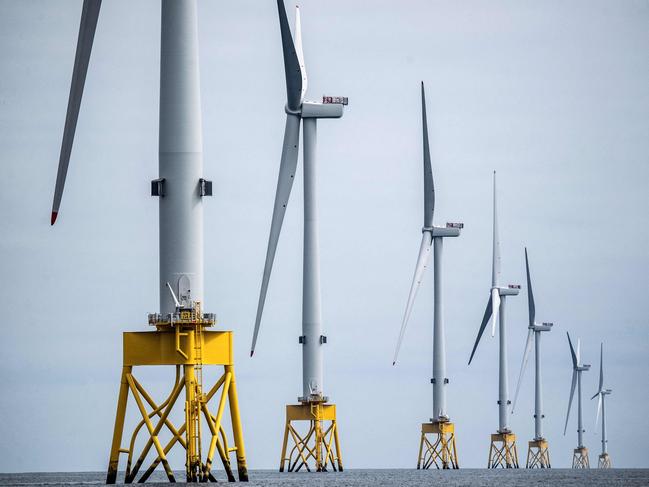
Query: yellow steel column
(421, 447)
(491, 448)
(237, 430)
(508, 454)
(339, 455)
(318, 437)
(444, 448)
(456, 464)
(515, 453)
(193, 433)
(122, 399)
(284, 443)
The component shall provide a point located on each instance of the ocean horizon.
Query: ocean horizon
(375, 477)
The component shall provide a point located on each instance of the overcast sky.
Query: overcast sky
(553, 95)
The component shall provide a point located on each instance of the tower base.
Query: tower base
(538, 454)
(580, 458)
(441, 452)
(503, 452)
(319, 446)
(604, 461)
(189, 348)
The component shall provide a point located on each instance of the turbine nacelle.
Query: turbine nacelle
(321, 110)
(511, 290)
(443, 232)
(541, 326)
(312, 109)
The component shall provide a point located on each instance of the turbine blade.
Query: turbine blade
(599, 409)
(420, 268)
(530, 295)
(572, 352)
(601, 367)
(572, 393)
(87, 27)
(483, 325)
(295, 74)
(300, 52)
(578, 351)
(429, 186)
(526, 356)
(495, 261)
(495, 299)
(284, 184)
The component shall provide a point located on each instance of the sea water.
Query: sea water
(377, 478)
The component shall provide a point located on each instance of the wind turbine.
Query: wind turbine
(442, 452)
(504, 455)
(604, 458)
(538, 454)
(314, 406)
(580, 454)
(180, 337)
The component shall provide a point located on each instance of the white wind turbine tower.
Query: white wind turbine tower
(502, 451)
(180, 320)
(604, 458)
(580, 454)
(538, 455)
(314, 406)
(441, 452)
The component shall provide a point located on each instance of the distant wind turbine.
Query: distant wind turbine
(580, 454)
(441, 452)
(538, 455)
(313, 405)
(604, 458)
(502, 452)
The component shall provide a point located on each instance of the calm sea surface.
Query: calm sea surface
(352, 478)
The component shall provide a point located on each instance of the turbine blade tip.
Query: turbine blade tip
(53, 217)
(394, 362)
(252, 352)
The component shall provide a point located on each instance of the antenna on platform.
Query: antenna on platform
(173, 295)
(300, 112)
(508, 456)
